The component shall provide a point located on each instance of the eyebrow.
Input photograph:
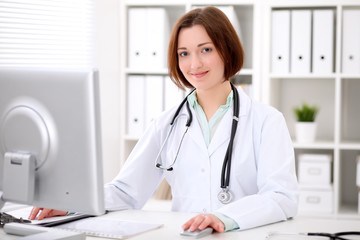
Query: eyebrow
(199, 45)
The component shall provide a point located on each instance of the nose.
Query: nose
(196, 62)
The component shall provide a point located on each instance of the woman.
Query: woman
(204, 52)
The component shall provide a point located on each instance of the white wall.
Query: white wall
(108, 62)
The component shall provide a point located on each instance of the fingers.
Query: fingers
(34, 212)
(54, 213)
(44, 213)
(203, 221)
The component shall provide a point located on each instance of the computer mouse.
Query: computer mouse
(197, 233)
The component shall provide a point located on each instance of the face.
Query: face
(199, 60)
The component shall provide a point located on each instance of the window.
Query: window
(47, 33)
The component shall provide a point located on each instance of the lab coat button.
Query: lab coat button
(204, 210)
(203, 170)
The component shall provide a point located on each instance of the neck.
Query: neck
(211, 99)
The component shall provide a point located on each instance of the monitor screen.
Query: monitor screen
(50, 139)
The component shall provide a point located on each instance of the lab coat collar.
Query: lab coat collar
(222, 133)
(195, 131)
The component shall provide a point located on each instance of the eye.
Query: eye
(205, 50)
(183, 54)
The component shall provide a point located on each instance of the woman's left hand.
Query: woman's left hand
(202, 221)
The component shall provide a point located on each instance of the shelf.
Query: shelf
(158, 3)
(350, 76)
(245, 71)
(145, 71)
(130, 138)
(349, 145)
(299, 76)
(314, 145)
(164, 71)
(348, 212)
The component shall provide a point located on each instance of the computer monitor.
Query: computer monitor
(50, 139)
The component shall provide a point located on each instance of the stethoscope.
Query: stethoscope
(224, 196)
(331, 236)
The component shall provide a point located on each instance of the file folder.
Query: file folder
(323, 41)
(149, 33)
(358, 172)
(351, 41)
(173, 95)
(136, 105)
(300, 41)
(157, 37)
(137, 41)
(231, 15)
(153, 98)
(280, 41)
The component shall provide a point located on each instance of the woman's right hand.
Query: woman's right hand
(45, 213)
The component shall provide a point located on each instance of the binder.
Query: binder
(173, 95)
(153, 98)
(231, 15)
(136, 105)
(280, 41)
(137, 41)
(323, 41)
(157, 37)
(351, 41)
(358, 172)
(300, 41)
(148, 38)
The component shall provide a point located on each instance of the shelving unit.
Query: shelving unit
(338, 133)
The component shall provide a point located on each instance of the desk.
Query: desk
(173, 220)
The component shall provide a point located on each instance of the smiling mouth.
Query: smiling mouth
(199, 75)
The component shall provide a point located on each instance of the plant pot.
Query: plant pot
(305, 132)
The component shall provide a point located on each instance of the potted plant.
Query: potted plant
(305, 128)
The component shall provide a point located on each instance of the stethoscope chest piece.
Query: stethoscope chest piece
(225, 196)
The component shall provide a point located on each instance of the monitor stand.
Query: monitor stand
(2, 202)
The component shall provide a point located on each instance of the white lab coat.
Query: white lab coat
(263, 179)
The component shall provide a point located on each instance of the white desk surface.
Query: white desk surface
(173, 220)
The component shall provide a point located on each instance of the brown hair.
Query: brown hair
(222, 34)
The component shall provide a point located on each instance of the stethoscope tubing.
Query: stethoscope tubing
(331, 236)
(224, 196)
(225, 178)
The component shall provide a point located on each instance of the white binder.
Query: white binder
(231, 14)
(153, 97)
(351, 41)
(137, 41)
(280, 41)
(358, 172)
(148, 38)
(173, 94)
(323, 41)
(300, 41)
(136, 105)
(157, 37)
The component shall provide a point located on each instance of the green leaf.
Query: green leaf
(306, 113)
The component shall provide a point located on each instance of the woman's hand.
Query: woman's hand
(45, 213)
(203, 221)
